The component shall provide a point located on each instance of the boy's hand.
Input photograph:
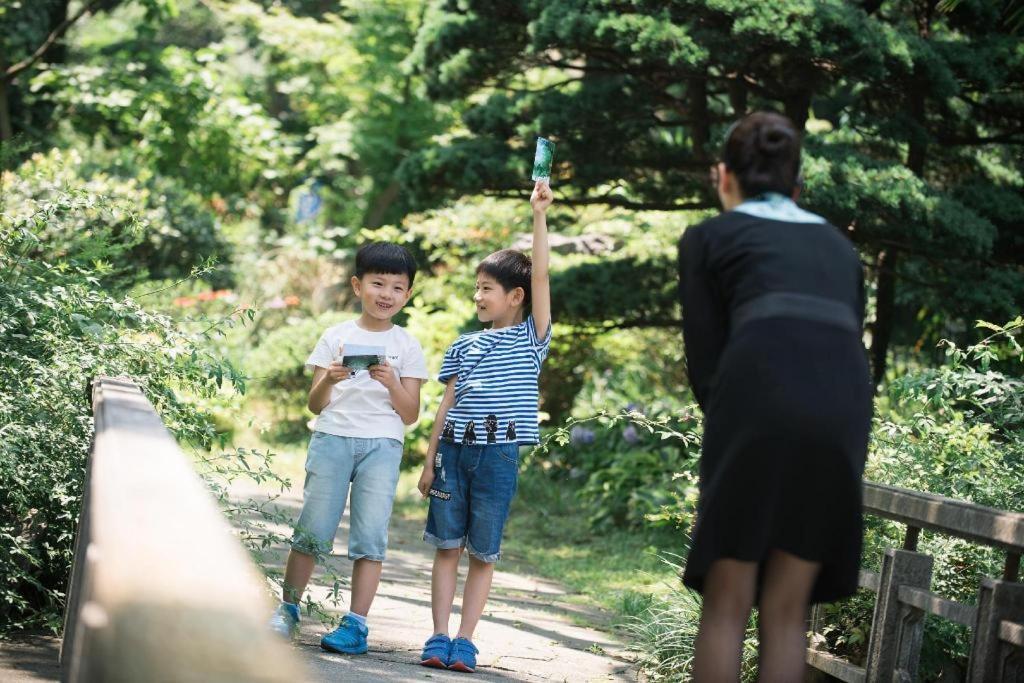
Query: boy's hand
(426, 480)
(542, 197)
(336, 371)
(384, 374)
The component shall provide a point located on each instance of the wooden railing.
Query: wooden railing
(160, 589)
(904, 598)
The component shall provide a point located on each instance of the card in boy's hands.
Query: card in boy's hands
(542, 160)
(359, 357)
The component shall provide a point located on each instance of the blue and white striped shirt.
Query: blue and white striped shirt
(496, 397)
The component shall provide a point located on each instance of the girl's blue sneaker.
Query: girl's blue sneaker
(435, 651)
(349, 638)
(463, 656)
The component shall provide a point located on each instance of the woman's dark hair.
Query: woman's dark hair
(385, 258)
(511, 269)
(763, 151)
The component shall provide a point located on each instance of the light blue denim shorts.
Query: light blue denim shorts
(336, 465)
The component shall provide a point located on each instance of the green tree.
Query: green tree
(913, 117)
(31, 32)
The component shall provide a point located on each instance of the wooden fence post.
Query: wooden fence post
(998, 601)
(896, 629)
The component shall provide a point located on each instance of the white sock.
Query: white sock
(357, 618)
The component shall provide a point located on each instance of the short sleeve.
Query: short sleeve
(451, 362)
(541, 345)
(323, 353)
(414, 364)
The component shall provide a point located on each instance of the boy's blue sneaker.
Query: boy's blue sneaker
(285, 620)
(436, 650)
(349, 638)
(463, 656)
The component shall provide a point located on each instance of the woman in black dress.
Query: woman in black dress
(773, 306)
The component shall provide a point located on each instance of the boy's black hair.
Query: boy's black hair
(763, 150)
(386, 258)
(510, 268)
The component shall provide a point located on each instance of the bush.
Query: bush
(59, 329)
(153, 227)
(636, 470)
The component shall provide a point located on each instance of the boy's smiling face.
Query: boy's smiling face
(493, 302)
(382, 294)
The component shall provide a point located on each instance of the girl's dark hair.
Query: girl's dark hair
(510, 268)
(763, 151)
(385, 258)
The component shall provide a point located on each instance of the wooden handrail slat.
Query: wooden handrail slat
(984, 525)
(836, 667)
(1011, 632)
(965, 615)
(161, 584)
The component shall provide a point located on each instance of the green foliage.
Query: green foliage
(907, 112)
(59, 329)
(156, 227)
(636, 470)
(177, 113)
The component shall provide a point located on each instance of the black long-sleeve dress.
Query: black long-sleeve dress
(772, 317)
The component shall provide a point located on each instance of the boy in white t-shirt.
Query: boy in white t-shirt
(357, 442)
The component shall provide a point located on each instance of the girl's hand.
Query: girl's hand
(385, 375)
(542, 197)
(426, 480)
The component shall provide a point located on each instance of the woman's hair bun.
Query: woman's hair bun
(763, 151)
(774, 139)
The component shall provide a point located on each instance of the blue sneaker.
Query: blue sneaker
(285, 620)
(435, 651)
(463, 656)
(349, 638)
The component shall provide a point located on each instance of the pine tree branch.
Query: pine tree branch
(12, 71)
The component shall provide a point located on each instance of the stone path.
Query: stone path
(529, 631)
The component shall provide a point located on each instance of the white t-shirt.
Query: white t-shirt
(361, 406)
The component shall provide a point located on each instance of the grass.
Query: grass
(618, 571)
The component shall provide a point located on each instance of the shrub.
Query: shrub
(59, 329)
(154, 227)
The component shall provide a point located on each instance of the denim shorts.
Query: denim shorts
(334, 465)
(469, 500)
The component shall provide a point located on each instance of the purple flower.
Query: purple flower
(581, 436)
(630, 435)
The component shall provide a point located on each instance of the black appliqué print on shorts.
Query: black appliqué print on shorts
(440, 495)
(449, 430)
(469, 436)
(491, 425)
(510, 433)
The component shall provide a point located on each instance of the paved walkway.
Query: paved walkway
(529, 632)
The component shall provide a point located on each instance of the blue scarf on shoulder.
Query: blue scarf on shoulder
(777, 207)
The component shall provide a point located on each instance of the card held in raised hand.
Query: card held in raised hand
(542, 160)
